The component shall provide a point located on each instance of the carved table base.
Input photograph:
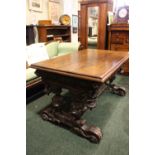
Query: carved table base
(81, 97)
(78, 126)
(114, 88)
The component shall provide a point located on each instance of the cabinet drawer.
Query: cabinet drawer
(121, 47)
(119, 37)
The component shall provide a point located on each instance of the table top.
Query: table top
(90, 64)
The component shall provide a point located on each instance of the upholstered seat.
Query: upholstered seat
(41, 51)
(30, 74)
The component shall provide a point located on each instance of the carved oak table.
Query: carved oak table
(85, 74)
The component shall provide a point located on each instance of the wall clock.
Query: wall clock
(65, 20)
(122, 15)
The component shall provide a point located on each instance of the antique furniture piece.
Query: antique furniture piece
(93, 15)
(118, 40)
(85, 74)
(122, 14)
(47, 33)
(35, 53)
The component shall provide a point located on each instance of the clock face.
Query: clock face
(122, 13)
(65, 20)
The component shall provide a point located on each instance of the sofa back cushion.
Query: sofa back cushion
(52, 49)
(35, 53)
(65, 48)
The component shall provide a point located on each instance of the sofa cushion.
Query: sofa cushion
(65, 48)
(36, 52)
(30, 74)
(52, 49)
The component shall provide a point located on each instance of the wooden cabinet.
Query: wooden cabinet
(118, 39)
(47, 33)
(103, 6)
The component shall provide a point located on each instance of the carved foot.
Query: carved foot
(121, 71)
(78, 126)
(118, 90)
(92, 133)
(45, 116)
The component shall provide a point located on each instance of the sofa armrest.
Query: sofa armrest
(30, 74)
(33, 82)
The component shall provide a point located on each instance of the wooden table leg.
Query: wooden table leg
(118, 90)
(69, 110)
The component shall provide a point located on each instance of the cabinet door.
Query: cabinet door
(102, 26)
(119, 47)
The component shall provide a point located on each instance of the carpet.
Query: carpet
(111, 115)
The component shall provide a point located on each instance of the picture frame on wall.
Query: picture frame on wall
(35, 5)
(75, 23)
(54, 11)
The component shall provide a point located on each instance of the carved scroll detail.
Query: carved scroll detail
(68, 109)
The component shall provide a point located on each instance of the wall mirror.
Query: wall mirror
(92, 35)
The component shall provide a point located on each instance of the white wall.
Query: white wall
(71, 8)
(32, 17)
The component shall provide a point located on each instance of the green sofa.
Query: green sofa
(46, 51)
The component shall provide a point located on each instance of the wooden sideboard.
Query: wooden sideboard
(118, 39)
(48, 33)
